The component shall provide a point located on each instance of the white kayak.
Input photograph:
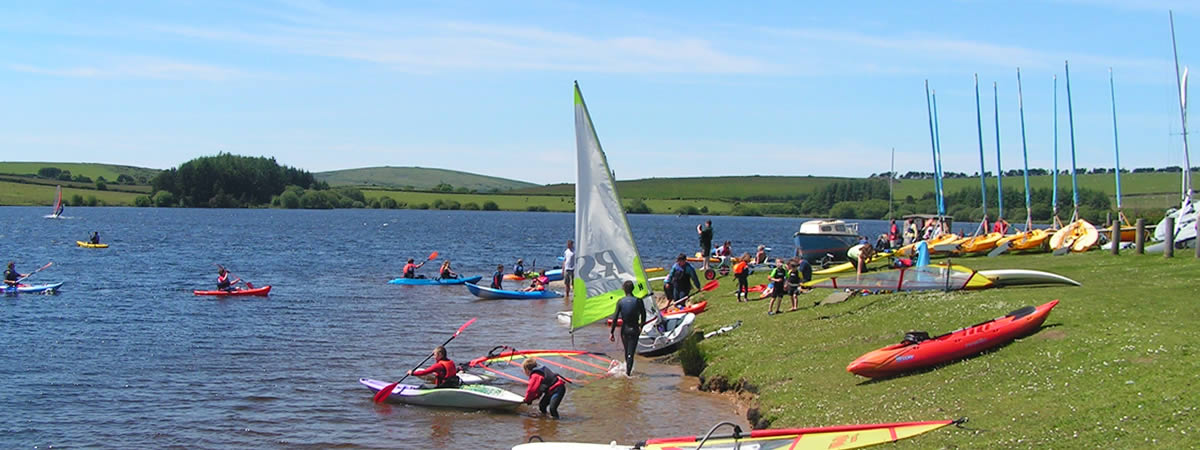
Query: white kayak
(655, 342)
(1020, 277)
(470, 396)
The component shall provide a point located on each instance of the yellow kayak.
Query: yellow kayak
(981, 243)
(90, 245)
(1028, 240)
(1080, 235)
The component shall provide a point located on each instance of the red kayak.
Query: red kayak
(918, 350)
(694, 309)
(263, 291)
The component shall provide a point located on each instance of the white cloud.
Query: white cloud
(157, 70)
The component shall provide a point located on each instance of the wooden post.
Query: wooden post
(1169, 240)
(1140, 241)
(1116, 238)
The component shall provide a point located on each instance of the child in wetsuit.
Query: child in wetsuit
(741, 272)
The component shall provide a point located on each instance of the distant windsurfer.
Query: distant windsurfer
(546, 384)
(445, 373)
(631, 314)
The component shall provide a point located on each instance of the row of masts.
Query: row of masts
(935, 142)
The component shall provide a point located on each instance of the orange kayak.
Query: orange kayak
(918, 350)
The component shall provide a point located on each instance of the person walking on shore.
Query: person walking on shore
(631, 314)
(568, 268)
(705, 231)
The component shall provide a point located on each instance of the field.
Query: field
(110, 172)
(23, 194)
(1114, 366)
(703, 187)
(417, 178)
(513, 202)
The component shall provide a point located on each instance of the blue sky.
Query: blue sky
(674, 88)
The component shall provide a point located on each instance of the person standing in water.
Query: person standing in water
(631, 314)
(445, 373)
(705, 231)
(568, 268)
(546, 384)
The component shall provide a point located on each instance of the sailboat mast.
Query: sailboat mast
(891, 182)
(1181, 84)
(1024, 152)
(979, 128)
(999, 169)
(1071, 131)
(937, 144)
(932, 146)
(1054, 177)
(1116, 143)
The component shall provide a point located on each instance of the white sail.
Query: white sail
(606, 255)
(58, 204)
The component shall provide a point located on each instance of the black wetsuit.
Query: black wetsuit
(805, 270)
(706, 236)
(632, 314)
(496, 279)
(682, 278)
(10, 277)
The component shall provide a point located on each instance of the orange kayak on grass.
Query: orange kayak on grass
(918, 350)
(981, 243)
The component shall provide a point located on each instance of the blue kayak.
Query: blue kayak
(554, 275)
(487, 293)
(33, 289)
(434, 281)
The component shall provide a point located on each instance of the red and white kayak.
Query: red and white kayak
(261, 291)
(695, 308)
(918, 350)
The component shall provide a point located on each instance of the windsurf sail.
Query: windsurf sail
(920, 278)
(839, 437)
(606, 255)
(58, 204)
(580, 367)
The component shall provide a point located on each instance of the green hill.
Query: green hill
(745, 187)
(94, 171)
(419, 178)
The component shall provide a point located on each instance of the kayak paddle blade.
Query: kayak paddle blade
(385, 392)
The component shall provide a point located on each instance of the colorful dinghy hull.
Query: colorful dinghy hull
(839, 437)
(473, 396)
(434, 281)
(908, 356)
(487, 293)
(259, 291)
(51, 288)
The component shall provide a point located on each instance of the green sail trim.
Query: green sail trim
(592, 309)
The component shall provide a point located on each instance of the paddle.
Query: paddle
(709, 286)
(384, 393)
(30, 274)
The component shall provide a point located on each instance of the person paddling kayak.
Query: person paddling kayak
(632, 315)
(410, 269)
(519, 268)
(497, 277)
(223, 283)
(11, 276)
(445, 272)
(546, 384)
(445, 373)
(94, 238)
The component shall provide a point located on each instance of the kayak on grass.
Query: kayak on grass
(841, 437)
(90, 245)
(655, 342)
(262, 291)
(670, 313)
(434, 281)
(918, 350)
(488, 293)
(51, 288)
(471, 396)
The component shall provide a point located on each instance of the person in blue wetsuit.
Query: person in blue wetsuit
(519, 268)
(546, 384)
(631, 314)
(498, 276)
(682, 278)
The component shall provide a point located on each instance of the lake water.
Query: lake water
(126, 356)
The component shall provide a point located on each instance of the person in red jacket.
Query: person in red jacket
(445, 373)
(546, 384)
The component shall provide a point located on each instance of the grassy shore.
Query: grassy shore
(23, 194)
(1115, 365)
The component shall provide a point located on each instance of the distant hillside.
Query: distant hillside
(94, 171)
(740, 188)
(419, 178)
